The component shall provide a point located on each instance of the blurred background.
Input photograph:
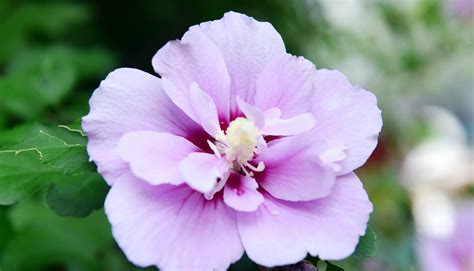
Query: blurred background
(415, 55)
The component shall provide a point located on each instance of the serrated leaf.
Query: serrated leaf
(63, 153)
(58, 162)
(366, 247)
(74, 127)
(19, 133)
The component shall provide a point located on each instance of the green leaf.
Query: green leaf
(57, 164)
(88, 63)
(244, 264)
(366, 247)
(77, 197)
(39, 78)
(22, 174)
(63, 153)
(75, 127)
(27, 93)
(47, 19)
(19, 133)
(5, 228)
(332, 267)
(43, 240)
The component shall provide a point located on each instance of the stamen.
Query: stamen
(239, 144)
(218, 187)
(260, 167)
(214, 148)
(248, 174)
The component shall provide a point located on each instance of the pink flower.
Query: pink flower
(238, 147)
(455, 251)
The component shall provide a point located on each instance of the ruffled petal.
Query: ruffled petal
(172, 227)
(130, 100)
(201, 170)
(288, 127)
(247, 46)
(154, 157)
(347, 113)
(252, 113)
(287, 84)
(294, 171)
(241, 193)
(194, 58)
(205, 110)
(282, 232)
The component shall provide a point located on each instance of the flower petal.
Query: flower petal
(287, 84)
(282, 232)
(154, 157)
(347, 113)
(201, 170)
(172, 227)
(130, 100)
(247, 46)
(194, 58)
(205, 110)
(241, 193)
(294, 171)
(251, 112)
(288, 127)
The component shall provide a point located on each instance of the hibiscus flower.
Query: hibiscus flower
(237, 147)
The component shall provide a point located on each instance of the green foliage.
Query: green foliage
(64, 154)
(27, 92)
(77, 196)
(19, 133)
(33, 247)
(20, 22)
(41, 78)
(244, 264)
(366, 247)
(41, 240)
(55, 162)
(333, 267)
(21, 175)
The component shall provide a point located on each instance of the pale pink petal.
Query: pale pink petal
(347, 113)
(172, 227)
(288, 127)
(252, 113)
(130, 100)
(294, 171)
(205, 110)
(201, 170)
(272, 113)
(194, 58)
(282, 232)
(287, 84)
(333, 153)
(241, 193)
(247, 46)
(154, 157)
